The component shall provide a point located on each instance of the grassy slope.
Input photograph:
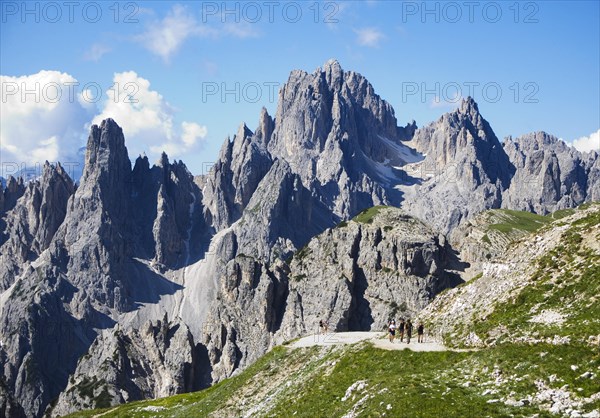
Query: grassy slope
(367, 215)
(416, 384)
(566, 280)
(510, 220)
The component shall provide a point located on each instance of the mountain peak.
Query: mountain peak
(468, 106)
(103, 140)
(107, 165)
(332, 62)
(332, 66)
(163, 161)
(243, 132)
(265, 125)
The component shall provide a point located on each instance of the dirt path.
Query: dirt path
(105, 413)
(379, 340)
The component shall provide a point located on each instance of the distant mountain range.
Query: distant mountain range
(172, 282)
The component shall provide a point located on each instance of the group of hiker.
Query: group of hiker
(404, 328)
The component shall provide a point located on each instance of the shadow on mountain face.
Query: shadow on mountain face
(360, 318)
(43, 364)
(147, 286)
(199, 375)
(453, 268)
(453, 260)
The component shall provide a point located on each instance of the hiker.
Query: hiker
(401, 329)
(392, 330)
(408, 328)
(420, 329)
(323, 326)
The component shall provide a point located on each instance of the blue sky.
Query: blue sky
(530, 65)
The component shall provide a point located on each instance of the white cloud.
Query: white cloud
(370, 37)
(40, 119)
(96, 52)
(53, 123)
(148, 120)
(192, 132)
(165, 37)
(587, 143)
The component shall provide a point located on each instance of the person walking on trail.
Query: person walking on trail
(322, 328)
(408, 329)
(420, 329)
(401, 329)
(392, 330)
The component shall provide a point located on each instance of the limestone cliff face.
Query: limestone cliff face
(248, 311)
(355, 276)
(33, 220)
(358, 275)
(75, 268)
(156, 361)
(242, 164)
(464, 172)
(593, 180)
(550, 175)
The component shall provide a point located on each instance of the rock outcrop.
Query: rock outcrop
(247, 313)
(33, 220)
(15, 187)
(355, 277)
(549, 176)
(156, 361)
(362, 273)
(232, 181)
(464, 172)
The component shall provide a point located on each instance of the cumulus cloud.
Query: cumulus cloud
(370, 37)
(46, 116)
(147, 119)
(588, 143)
(41, 119)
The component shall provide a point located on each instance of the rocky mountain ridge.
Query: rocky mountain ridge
(131, 244)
